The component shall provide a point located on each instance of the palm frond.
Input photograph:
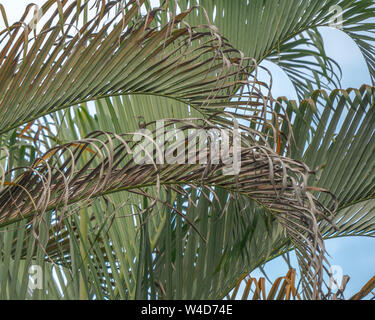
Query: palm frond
(339, 145)
(283, 288)
(365, 291)
(285, 32)
(58, 180)
(175, 214)
(65, 64)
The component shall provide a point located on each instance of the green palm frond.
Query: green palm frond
(305, 62)
(340, 147)
(285, 32)
(63, 65)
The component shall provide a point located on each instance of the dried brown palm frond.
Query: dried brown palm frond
(367, 289)
(277, 183)
(119, 51)
(66, 64)
(284, 288)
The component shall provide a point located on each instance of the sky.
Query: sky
(355, 256)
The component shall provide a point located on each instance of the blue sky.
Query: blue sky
(355, 255)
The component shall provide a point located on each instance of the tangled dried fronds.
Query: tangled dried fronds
(61, 178)
(284, 288)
